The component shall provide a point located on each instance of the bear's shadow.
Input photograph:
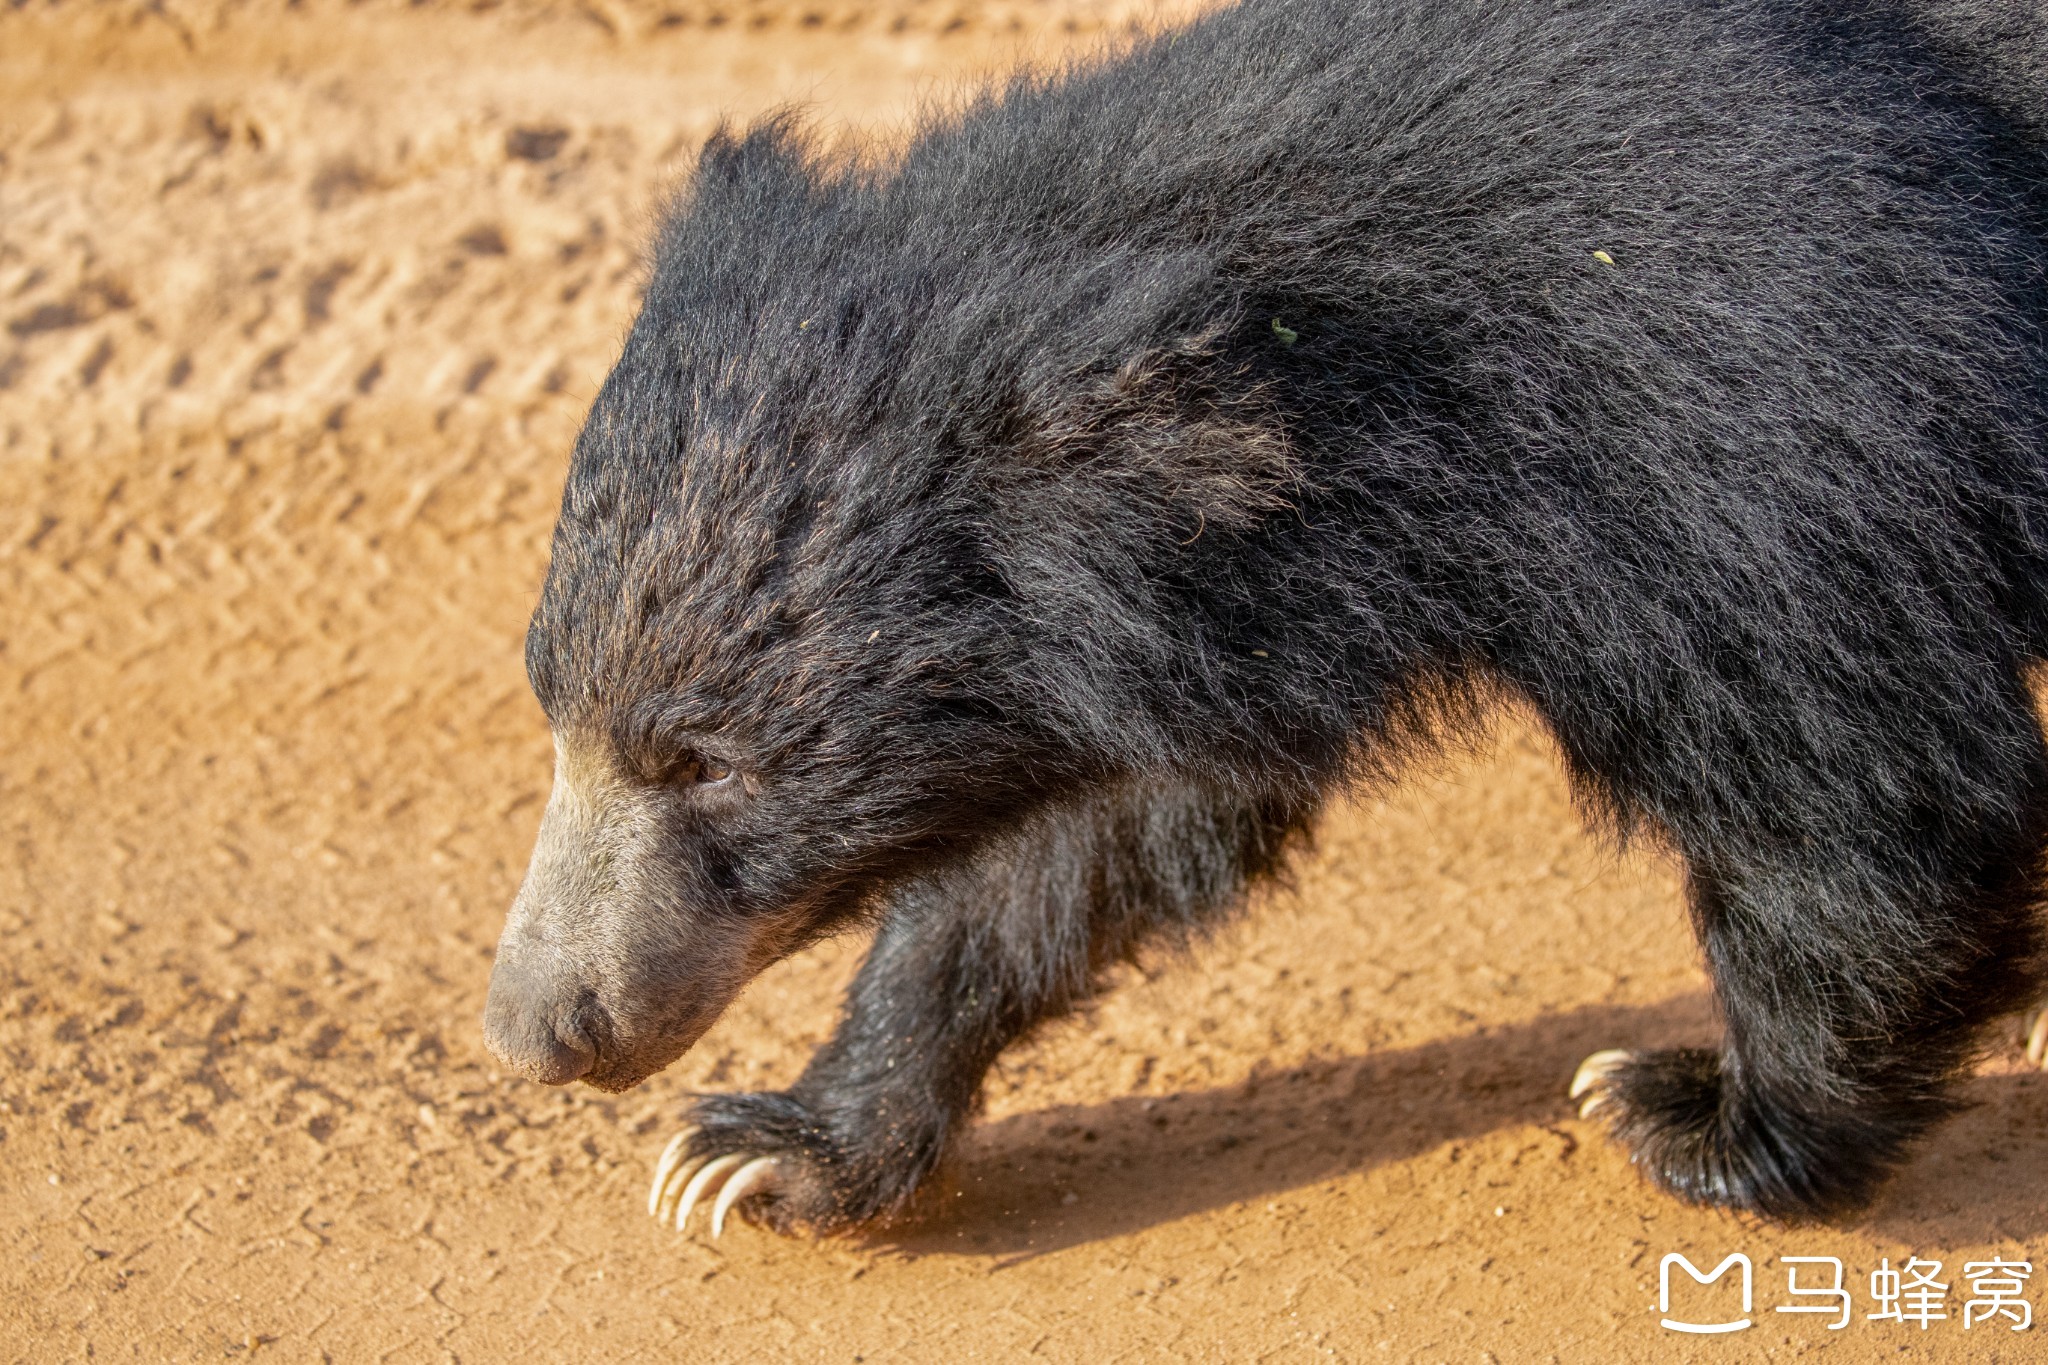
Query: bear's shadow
(1032, 1183)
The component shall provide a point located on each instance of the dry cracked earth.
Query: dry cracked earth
(300, 306)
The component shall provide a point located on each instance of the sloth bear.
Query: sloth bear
(1010, 543)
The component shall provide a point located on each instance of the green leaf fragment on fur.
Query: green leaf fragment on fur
(1288, 336)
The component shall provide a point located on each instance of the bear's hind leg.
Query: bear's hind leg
(966, 962)
(1852, 997)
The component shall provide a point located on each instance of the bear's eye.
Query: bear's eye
(694, 769)
(685, 769)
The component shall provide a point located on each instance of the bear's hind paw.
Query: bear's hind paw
(2034, 1025)
(681, 1180)
(1589, 1083)
(1794, 1156)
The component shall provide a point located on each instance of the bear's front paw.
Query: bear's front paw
(772, 1159)
(1793, 1160)
(681, 1178)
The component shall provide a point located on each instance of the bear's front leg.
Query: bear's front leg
(871, 1113)
(967, 961)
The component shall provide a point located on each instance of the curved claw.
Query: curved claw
(673, 1190)
(2037, 1040)
(671, 1157)
(1592, 1076)
(755, 1175)
(701, 1182)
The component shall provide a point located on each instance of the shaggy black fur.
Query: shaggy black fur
(1042, 522)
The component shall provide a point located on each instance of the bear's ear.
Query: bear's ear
(1179, 425)
(745, 180)
(774, 155)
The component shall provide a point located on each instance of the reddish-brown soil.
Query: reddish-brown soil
(299, 309)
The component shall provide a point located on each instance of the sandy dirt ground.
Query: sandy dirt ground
(299, 310)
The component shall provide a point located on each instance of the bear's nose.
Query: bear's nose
(531, 1023)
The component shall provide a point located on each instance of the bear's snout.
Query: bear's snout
(606, 971)
(535, 1026)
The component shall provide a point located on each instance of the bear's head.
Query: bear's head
(851, 570)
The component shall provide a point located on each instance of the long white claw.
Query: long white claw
(700, 1182)
(2037, 1040)
(756, 1173)
(1592, 1073)
(671, 1157)
(673, 1190)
